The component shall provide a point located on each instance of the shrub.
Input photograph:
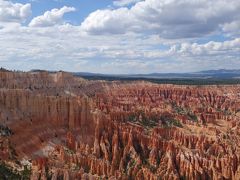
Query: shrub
(192, 117)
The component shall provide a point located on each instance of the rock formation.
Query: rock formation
(70, 128)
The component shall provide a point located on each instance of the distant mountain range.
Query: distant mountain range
(209, 74)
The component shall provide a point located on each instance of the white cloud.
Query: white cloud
(141, 39)
(124, 2)
(167, 18)
(232, 28)
(108, 21)
(67, 47)
(226, 48)
(14, 12)
(51, 18)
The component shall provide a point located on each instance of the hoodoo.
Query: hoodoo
(59, 126)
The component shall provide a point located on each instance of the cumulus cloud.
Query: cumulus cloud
(151, 36)
(108, 21)
(167, 18)
(227, 48)
(25, 48)
(14, 12)
(232, 28)
(51, 18)
(124, 2)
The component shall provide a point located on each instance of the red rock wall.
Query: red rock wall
(175, 132)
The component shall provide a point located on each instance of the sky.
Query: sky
(120, 36)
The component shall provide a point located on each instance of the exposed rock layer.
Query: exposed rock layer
(76, 129)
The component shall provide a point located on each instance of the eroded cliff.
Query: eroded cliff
(70, 128)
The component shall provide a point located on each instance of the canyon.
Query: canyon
(59, 126)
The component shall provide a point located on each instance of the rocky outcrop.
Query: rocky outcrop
(71, 128)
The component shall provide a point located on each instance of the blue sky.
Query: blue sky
(122, 36)
(84, 8)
